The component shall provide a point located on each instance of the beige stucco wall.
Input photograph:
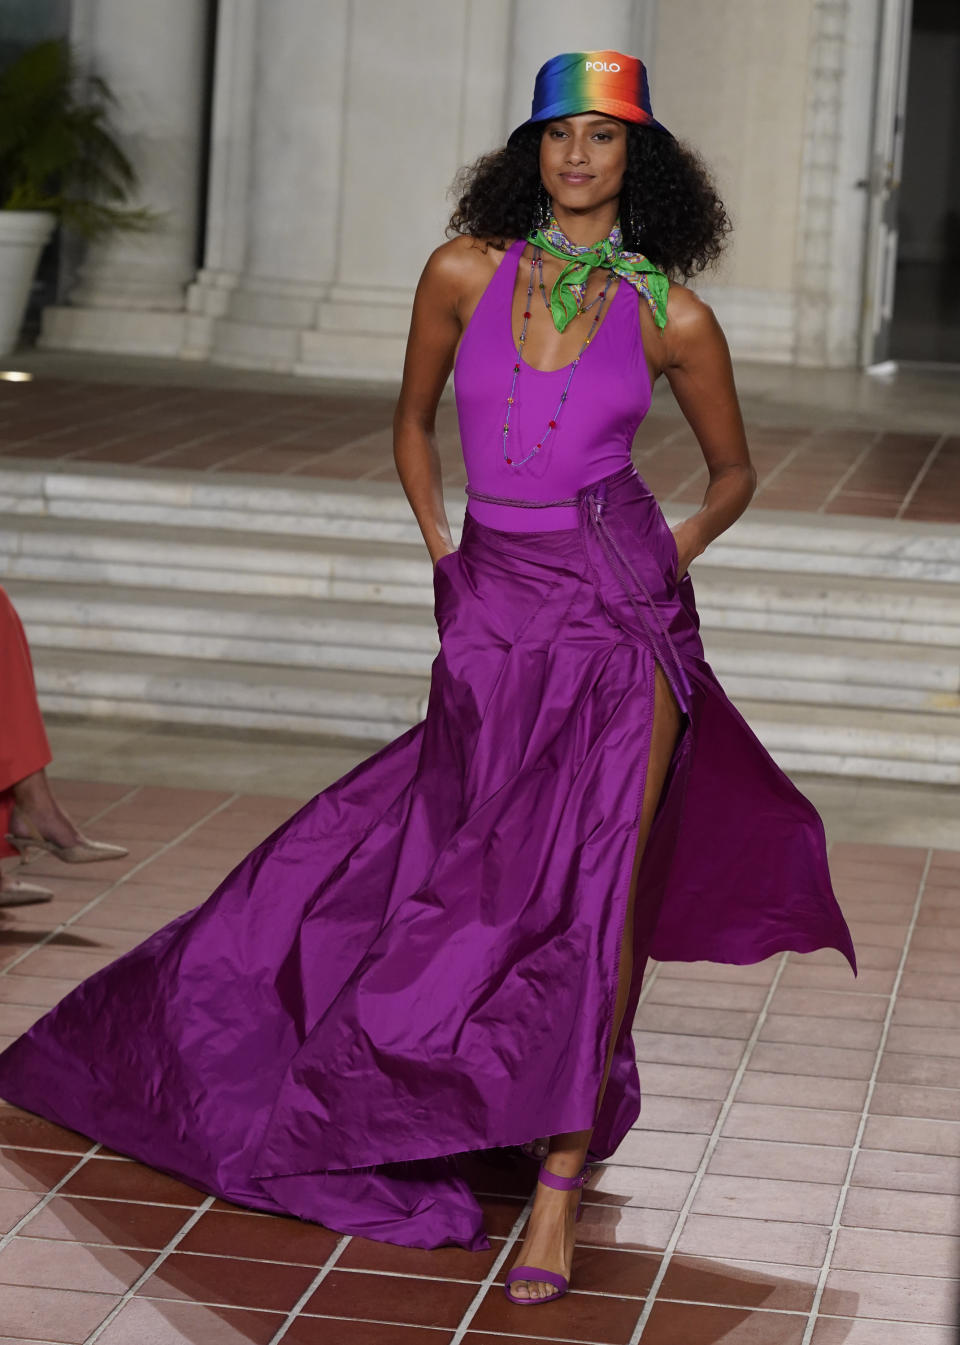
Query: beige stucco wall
(731, 78)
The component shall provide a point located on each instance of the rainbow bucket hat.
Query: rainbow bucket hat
(592, 81)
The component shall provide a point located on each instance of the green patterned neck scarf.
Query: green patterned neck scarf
(566, 297)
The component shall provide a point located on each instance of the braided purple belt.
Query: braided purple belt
(519, 504)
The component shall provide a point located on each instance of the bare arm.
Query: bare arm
(699, 371)
(434, 332)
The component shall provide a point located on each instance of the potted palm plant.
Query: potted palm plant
(59, 164)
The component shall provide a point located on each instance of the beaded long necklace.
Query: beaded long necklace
(536, 263)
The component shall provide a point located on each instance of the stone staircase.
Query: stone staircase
(250, 603)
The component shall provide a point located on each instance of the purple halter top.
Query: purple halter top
(609, 397)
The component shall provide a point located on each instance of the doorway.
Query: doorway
(925, 322)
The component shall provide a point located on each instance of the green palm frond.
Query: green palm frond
(56, 149)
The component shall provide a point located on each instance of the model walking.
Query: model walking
(443, 951)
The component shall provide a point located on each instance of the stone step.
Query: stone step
(183, 560)
(373, 706)
(376, 707)
(295, 632)
(769, 540)
(307, 605)
(360, 570)
(851, 608)
(379, 637)
(808, 671)
(233, 502)
(831, 740)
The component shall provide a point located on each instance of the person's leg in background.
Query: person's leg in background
(29, 812)
(24, 749)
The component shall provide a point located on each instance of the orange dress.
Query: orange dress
(23, 740)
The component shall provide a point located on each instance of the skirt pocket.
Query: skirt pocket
(673, 553)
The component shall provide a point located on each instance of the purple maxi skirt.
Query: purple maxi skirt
(423, 961)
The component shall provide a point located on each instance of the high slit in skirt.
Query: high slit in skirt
(423, 961)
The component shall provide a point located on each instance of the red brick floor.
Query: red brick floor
(793, 1176)
(347, 436)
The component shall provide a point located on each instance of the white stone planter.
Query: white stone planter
(23, 234)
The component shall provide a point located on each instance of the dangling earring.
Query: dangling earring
(634, 223)
(543, 209)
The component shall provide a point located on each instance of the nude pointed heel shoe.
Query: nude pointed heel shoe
(15, 893)
(85, 852)
(560, 1282)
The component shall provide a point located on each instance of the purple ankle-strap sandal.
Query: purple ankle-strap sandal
(535, 1272)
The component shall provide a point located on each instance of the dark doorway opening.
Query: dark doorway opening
(926, 308)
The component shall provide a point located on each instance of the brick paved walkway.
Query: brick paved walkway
(789, 1182)
(347, 436)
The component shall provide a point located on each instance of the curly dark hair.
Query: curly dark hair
(669, 190)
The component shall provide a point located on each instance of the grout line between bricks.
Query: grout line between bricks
(510, 1242)
(342, 451)
(318, 1320)
(108, 891)
(68, 454)
(132, 790)
(189, 416)
(88, 821)
(924, 469)
(47, 1197)
(846, 476)
(228, 463)
(676, 496)
(865, 1110)
(95, 1148)
(149, 1270)
(712, 1141)
(311, 1288)
(491, 1275)
(781, 466)
(512, 1238)
(513, 1339)
(104, 418)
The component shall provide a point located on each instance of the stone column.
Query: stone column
(228, 192)
(361, 114)
(833, 207)
(273, 227)
(130, 290)
(424, 93)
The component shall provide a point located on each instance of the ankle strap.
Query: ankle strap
(564, 1183)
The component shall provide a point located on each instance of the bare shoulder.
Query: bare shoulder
(691, 326)
(462, 261)
(457, 273)
(690, 315)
